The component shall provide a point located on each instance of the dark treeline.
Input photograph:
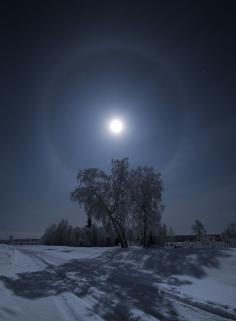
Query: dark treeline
(93, 235)
(96, 235)
(89, 235)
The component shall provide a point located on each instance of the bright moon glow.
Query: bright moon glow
(116, 126)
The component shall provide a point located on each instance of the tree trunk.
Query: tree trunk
(145, 240)
(120, 232)
(118, 228)
(124, 239)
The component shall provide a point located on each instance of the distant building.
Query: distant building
(192, 237)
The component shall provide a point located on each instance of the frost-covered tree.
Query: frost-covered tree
(230, 231)
(75, 236)
(84, 241)
(229, 234)
(69, 236)
(146, 201)
(162, 237)
(64, 234)
(49, 236)
(105, 197)
(92, 235)
(61, 233)
(131, 236)
(199, 230)
(170, 235)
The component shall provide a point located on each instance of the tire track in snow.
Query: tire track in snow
(214, 313)
(61, 302)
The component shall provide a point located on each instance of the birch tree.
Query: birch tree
(105, 196)
(146, 201)
(199, 230)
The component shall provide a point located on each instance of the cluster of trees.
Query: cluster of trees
(126, 201)
(89, 235)
(94, 235)
(198, 228)
(228, 236)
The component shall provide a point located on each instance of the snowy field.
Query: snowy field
(39, 283)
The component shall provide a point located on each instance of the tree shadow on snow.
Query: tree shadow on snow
(177, 261)
(120, 284)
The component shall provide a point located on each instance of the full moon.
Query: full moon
(116, 126)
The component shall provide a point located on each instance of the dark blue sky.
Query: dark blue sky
(166, 67)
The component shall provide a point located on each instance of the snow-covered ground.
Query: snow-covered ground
(56, 283)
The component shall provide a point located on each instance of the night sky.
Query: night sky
(167, 68)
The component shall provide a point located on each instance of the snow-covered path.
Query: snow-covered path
(65, 306)
(62, 283)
